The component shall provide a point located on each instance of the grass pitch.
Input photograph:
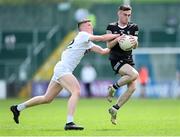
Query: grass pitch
(139, 117)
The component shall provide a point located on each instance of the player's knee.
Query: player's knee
(47, 100)
(76, 92)
(134, 76)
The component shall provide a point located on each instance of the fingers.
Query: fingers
(121, 38)
(133, 40)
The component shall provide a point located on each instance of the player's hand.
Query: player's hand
(120, 38)
(133, 41)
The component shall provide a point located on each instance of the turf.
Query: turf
(139, 117)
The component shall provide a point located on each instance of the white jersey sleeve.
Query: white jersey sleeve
(81, 41)
(83, 36)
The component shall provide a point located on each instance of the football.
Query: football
(125, 44)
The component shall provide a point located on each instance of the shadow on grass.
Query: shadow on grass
(109, 129)
(62, 130)
(58, 130)
(53, 130)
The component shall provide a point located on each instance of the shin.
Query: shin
(127, 94)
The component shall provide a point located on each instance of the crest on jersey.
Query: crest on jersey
(121, 31)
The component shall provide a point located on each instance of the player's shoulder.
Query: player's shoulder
(83, 36)
(82, 33)
(132, 24)
(111, 25)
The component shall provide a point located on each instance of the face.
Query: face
(124, 16)
(87, 26)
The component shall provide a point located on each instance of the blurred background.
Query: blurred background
(33, 34)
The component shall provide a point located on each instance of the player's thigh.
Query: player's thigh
(53, 90)
(70, 83)
(127, 69)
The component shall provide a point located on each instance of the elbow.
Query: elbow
(102, 52)
(105, 51)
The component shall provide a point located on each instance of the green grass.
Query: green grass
(145, 117)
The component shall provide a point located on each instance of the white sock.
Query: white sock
(70, 119)
(21, 107)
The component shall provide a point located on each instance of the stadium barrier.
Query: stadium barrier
(99, 89)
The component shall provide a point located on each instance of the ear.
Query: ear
(118, 13)
(80, 27)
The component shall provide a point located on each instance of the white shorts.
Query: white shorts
(60, 70)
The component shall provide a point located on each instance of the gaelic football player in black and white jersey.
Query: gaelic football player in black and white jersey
(122, 61)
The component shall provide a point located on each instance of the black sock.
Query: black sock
(116, 106)
(70, 123)
(115, 85)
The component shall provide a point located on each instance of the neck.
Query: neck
(88, 31)
(122, 24)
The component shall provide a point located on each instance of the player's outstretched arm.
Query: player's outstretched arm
(105, 37)
(100, 50)
(112, 43)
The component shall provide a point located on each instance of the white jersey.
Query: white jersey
(72, 56)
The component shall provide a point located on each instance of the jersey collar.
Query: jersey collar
(122, 27)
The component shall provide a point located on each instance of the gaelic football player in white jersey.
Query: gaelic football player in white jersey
(63, 77)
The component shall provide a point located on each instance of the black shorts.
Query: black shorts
(117, 64)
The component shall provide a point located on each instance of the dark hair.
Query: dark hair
(125, 7)
(83, 21)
